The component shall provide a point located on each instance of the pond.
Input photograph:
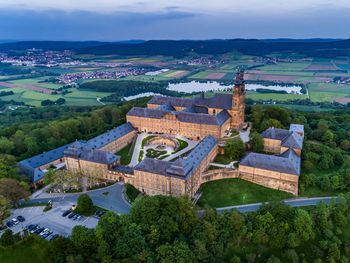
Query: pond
(195, 86)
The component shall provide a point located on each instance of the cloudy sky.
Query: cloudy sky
(173, 19)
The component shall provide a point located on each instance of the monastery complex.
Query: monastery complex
(206, 121)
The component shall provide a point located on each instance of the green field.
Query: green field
(229, 192)
(328, 91)
(77, 97)
(298, 70)
(274, 96)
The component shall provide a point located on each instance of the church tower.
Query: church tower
(238, 102)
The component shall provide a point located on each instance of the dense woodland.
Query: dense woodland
(166, 229)
(181, 48)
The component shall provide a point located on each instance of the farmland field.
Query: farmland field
(317, 74)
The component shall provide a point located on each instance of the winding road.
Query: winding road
(297, 202)
(112, 198)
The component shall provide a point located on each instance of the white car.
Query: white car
(15, 221)
(44, 231)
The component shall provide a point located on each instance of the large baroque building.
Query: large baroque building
(193, 118)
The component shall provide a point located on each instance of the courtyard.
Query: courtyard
(160, 146)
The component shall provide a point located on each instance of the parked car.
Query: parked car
(21, 218)
(15, 221)
(99, 213)
(75, 217)
(34, 229)
(9, 224)
(39, 230)
(65, 213)
(30, 227)
(48, 233)
(44, 231)
(78, 217)
(72, 214)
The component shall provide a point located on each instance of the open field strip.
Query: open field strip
(176, 74)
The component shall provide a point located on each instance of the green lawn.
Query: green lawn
(229, 192)
(131, 192)
(26, 251)
(223, 159)
(126, 154)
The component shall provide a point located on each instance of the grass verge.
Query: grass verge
(131, 192)
(235, 191)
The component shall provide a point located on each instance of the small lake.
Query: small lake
(195, 86)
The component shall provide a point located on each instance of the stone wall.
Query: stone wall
(164, 140)
(120, 143)
(219, 174)
(283, 182)
(275, 180)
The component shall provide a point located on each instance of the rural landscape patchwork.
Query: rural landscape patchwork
(174, 132)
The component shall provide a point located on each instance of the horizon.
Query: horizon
(3, 41)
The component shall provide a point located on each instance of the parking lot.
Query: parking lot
(52, 219)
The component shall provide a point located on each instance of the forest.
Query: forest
(166, 229)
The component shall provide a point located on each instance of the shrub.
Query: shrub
(85, 205)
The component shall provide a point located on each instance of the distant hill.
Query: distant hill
(179, 48)
(316, 48)
(48, 45)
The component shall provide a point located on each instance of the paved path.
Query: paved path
(298, 202)
(135, 155)
(245, 134)
(114, 200)
(230, 165)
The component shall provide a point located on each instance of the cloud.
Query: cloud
(173, 22)
(191, 6)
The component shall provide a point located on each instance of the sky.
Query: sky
(114, 20)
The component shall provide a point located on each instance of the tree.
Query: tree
(8, 168)
(345, 145)
(84, 240)
(4, 208)
(12, 190)
(179, 252)
(64, 179)
(256, 142)
(85, 205)
(234, 149)
(271, 123)
(303, 225)
(6, 146)
(328, 136)
(7, 238)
